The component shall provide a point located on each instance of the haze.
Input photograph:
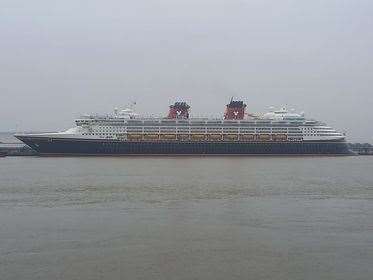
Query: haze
(60, 59)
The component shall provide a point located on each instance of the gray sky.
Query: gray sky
(60, 59)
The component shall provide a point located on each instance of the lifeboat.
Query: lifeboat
(230, 137)
(183, 137)
(279, 137)
(264, 137)
(168, 137)
(214, 137)
(134, 137)
(198, 137)
(247, 137)
(151, 137)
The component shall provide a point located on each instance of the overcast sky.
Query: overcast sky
(60, 59)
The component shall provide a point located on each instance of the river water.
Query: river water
(186, 218)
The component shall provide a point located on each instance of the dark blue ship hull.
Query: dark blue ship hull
(68, 146)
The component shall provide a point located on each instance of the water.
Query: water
(186, 218)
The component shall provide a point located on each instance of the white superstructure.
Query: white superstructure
(122, 125)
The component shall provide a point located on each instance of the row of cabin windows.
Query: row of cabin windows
(186, 122)
(209, 127)
(137, 129)
(211, 131)
(201, 128)
(243, 123)
(98, 134)
(111, 134)
(323, 134)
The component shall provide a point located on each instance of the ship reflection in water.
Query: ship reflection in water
(186, 218)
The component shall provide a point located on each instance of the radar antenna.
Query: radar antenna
(132, 105)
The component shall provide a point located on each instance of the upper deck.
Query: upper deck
(109, 120)
(234, 116)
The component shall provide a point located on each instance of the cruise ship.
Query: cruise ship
(278, 132)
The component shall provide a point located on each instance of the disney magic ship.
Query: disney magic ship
(124, 132)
